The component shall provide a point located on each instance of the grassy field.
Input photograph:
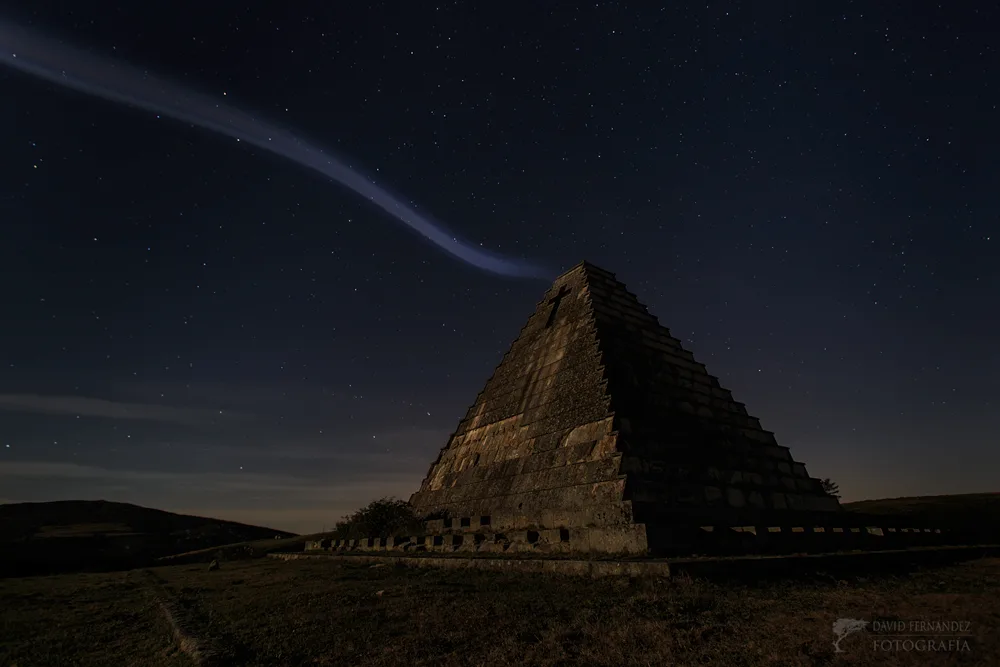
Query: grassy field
(265, 612)
(976, 510)
(240, 550)
(80, 535)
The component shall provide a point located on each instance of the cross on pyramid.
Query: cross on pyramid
(599, 428)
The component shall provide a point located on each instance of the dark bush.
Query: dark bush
(385, 517)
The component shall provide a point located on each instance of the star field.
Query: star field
(805, 196)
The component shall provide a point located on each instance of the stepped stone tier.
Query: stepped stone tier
(599, 432)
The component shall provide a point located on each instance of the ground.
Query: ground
(100, 536)
(267, 612)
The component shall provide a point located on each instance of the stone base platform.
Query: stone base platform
(681, 541)
(739, 566)
(625, 539)
(825, 533)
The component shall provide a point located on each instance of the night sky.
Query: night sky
(806, 197)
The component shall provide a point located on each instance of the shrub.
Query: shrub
(385, 517)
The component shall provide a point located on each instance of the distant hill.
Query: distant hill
(974, 514)
(84, 535)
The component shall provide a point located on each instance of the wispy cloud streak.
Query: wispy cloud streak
(98, 407)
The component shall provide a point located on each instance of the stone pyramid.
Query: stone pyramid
(598, 421)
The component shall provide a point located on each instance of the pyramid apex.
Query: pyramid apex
(585, 267)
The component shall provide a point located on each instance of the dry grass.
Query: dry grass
(275, 613)
(239, 550)
(84, 530)
(975, 515)
(84, 620)
(99, 536)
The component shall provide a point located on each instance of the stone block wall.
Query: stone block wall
(625, 540)
(540, 435)
(597, 407)
(789, 533)
(688, 443)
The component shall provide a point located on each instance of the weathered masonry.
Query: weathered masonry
(599, 432)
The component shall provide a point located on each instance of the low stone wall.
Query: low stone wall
(501, 521)
(461, 536)
(777, 565)
(628, 539)
(592, 568)
(804, 538)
